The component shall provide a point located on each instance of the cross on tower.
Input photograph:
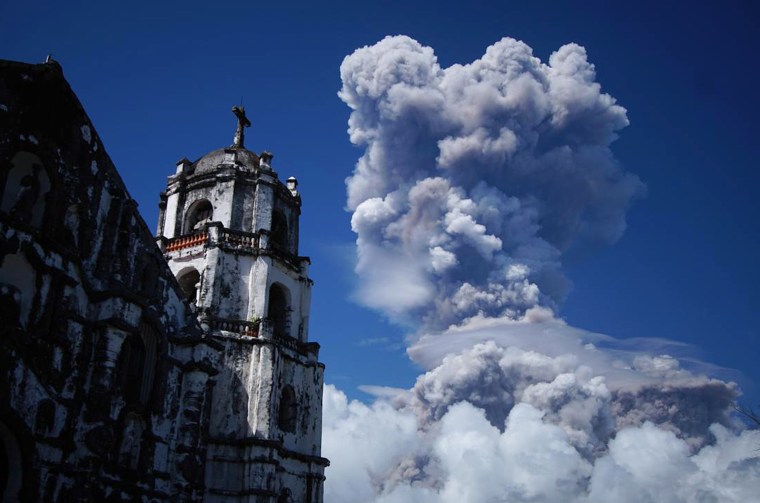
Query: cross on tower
(243, 122)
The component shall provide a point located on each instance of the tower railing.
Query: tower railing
(186, 241)
(242, 327)
(215, 234)
(262, 329)
(239, 239)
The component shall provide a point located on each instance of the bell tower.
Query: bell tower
(229, 230)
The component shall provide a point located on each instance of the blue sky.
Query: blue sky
(158, 80)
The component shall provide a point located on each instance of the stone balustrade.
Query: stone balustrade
(186, 242)
(215, 235)
(239, 239)
(263, 329)
(242, 327)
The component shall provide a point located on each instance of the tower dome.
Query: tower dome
(240, 158)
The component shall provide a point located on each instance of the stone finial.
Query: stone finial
(243, 122)
(184, 166)
(265, 160)
(292, 185)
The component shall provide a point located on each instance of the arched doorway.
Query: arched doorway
(11, 471)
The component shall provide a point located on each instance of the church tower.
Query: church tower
(229, 230)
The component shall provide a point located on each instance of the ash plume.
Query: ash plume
(474, 181)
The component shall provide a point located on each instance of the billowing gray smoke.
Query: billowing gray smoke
(474, 181)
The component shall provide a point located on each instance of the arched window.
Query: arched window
(279, 232)
(188, 280)
(148, 279)
(137, 365)
(279, 310)
(149, 337)
(132, 363)
(288, 413)
(26, 187)
(198, 214)
(17, 289)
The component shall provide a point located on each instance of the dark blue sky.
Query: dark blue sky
(158, 80)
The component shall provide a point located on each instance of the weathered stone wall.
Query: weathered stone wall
(81, 280)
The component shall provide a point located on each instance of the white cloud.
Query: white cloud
(536, 410)
(366, 441)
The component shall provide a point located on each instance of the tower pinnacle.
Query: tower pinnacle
(243, 122)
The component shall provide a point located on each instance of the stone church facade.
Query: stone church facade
(134, 367)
